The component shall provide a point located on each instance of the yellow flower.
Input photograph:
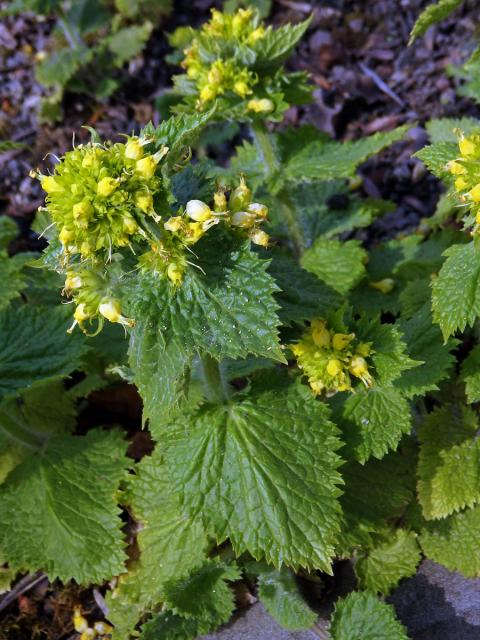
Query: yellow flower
(220, 201)
(359, 368)
(264, 105)
(106, 187)
(173, 224)
(260, 210)
(80, 624)
(198, 210)
(146, 167)
(384, 286)
(72, 281)
(467, 147)
(475, 193)
(175, 273)
(240, 197)
(320, 334)
(144, 201)
(66, 236)
(208, 93)
(243, 219)
(259, 237)
(334, 367)
(81, 314)
(109, 308)
(133, 149)
(241, 88)
(460, 184)
(456, 168)
(49, 184)
(342, 340)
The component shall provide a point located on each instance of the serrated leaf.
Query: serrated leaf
(425, 345)
(279, 594)
(34, 345)
(12, 280)
(444, 129)
(225, 306)
(449, 461)
(471, 375)
(8, 230)
(170, 544)
(376, 419)
(58, 511)
(261, 471)
(437, 156)
(363, 616)
(277, 45)
(43, 410)
(203, 593)
(341, 265)
(456, 290)
(454, 542)
(334, 160)
(128, 42)
(11, 455)
(61, 66)
(393, 559)
(169, 626)
(432, 14)
(302, 296)
(375, 496)
(178, 133)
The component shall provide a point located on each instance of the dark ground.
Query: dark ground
(366, 80)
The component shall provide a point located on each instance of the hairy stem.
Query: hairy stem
(269, 155)
(215, 387)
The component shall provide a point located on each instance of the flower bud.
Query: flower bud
(220, 201)
(83, 210)
(110, 309)
(456, 168)
(241, 88)
(81, 313)
(243, 219)
(320, 334)
(88, 634)
(72, 281)
(66, 236)
(334, 367)
(106, 187)
(261, 106)
(364, 349)
(208, 93)
(258, 33)
(129, 225)
(257, 236)
(102, 628)
(359, 368)
(240, 197)
(467, 147)
(198, 210)
(460, 184)
(475, 193)
(173, 224)
(144, 201)
(175, 273)
(260, 210)
(146, 167)
(384, 286)
(194, 232)
(49, 184)
(133, 149)
(80, 624)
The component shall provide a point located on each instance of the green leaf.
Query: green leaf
(61, 66)
(333, 160)
(393, 559)
(58, 511)
(261, 471)
(203, 593)
(170, 544)
(456, 290)
(425, 344)
(34, 345)
(278, 592)
(443, 129)
(40, 412)
(376, 419)
(8, 230)
(454, 542)
(11, 455)
(471, 375)
(160, 370)
(449, 461)
(341, 265)
(362, 616)
(302, 295)
(432, 14)
(169, 626)
(127, 43)
(225, 306)
(437, 156)
(277, 45)
(178, 133)
(12, 280)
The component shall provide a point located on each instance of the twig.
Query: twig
(22, 586)
(381, 84)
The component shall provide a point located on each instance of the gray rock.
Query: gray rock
(256, 624)
(437, 604)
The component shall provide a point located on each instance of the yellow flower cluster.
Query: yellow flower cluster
(81, 626)
(224, 75)
(98, 195)
(168, 257)
(466, 171)
(331, 360)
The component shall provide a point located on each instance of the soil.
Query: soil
(366, 80)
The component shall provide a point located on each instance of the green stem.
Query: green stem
(71, 35)
(270, 158)
(216, 390)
